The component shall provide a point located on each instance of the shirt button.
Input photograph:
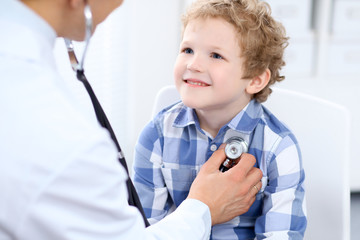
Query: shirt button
(213, 147)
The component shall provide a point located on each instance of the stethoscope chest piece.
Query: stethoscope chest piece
(235, 146)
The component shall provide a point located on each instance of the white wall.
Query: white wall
(154, 46)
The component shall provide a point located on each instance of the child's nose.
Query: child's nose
(195, 64)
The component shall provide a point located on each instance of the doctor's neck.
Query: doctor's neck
(65, 17)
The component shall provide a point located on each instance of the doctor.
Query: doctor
(59, 173)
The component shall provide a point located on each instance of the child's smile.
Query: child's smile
(196, 83)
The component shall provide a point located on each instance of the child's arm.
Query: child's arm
(147, 176)
(284, 213)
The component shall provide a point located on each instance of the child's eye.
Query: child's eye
(188, 51)
(216, 56)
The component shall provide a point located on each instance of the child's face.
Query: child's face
(208, 70)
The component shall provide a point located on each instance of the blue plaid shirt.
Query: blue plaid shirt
(172, 148)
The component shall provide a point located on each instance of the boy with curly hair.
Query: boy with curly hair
(231, 53)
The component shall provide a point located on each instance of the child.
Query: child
(231, 53)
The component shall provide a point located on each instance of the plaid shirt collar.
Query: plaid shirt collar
(245, 121)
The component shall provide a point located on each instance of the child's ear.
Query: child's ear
(259, 82)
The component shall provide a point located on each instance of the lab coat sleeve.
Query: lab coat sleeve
(191, 219)
(86, 198)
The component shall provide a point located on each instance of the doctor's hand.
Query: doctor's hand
(227, 194)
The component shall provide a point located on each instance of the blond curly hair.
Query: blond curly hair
(261, 38)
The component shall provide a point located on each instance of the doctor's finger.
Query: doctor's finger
(214, 162)
(242, 168)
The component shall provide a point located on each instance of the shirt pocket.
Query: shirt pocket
(178, 182)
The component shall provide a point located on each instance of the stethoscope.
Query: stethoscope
(234, 148)
(78, 67)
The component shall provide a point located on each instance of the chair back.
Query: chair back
(166, 96)
(322, 129)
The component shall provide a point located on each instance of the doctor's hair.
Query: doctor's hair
(262, 40)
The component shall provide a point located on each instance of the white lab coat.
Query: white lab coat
(59, 174)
